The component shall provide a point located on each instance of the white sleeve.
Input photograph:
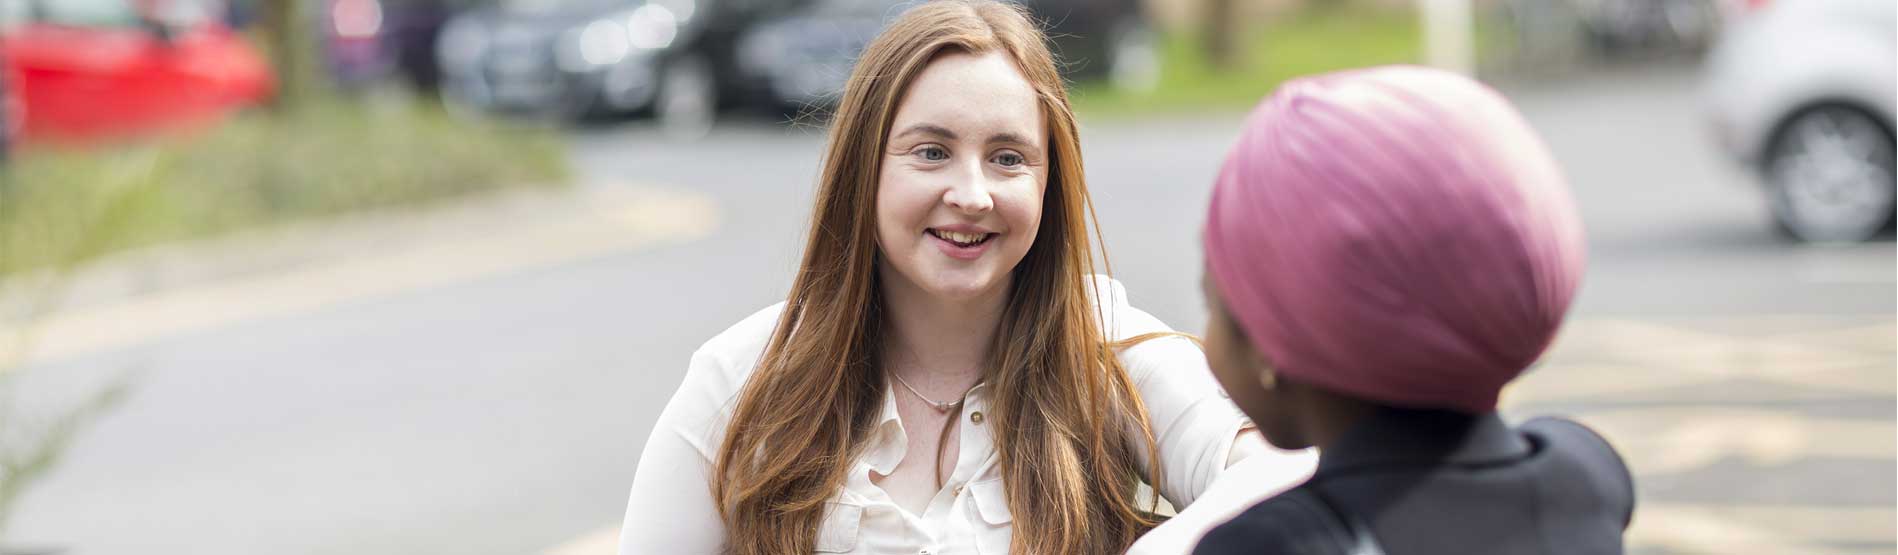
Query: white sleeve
(1194, 425)
(670, 509)
(1255, 479)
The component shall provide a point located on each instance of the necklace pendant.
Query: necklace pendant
(944, 407)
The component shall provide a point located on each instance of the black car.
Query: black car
(804, 58)
(583, 58)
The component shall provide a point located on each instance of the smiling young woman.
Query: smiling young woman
(947, 365)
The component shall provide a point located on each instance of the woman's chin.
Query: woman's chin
(964, 284)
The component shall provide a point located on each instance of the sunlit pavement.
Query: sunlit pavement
(1762, 435)
(487, 389)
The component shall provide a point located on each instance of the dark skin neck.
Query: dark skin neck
(1325, 416)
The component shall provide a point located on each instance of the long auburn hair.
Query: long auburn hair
(1062, 403)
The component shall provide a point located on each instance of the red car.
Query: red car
(85, 70)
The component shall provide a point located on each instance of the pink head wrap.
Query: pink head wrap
(1396, 234)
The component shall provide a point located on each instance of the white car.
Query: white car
(1803, 90)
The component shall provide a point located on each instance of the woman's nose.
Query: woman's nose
(969, 193)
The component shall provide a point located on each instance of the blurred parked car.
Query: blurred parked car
(79, 70)
(581, 58)
(370, 41)
(804, 58)
(1804, 91)
(1563, 31)
(1636, 27)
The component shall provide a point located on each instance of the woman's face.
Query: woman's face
(1239, 368)
(964, 170)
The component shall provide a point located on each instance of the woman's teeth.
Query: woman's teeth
(964, 239)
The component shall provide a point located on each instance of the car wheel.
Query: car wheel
(687, 102)
(1133, 57)
(1830, 172)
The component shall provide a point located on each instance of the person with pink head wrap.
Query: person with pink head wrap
(1386, 249)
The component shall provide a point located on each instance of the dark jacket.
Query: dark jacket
(1432, 482)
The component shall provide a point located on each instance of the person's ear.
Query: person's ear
(1263, 370)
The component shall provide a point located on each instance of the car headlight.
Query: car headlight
(682, 10)
(603, 42)
(610, 40)
(651, 27)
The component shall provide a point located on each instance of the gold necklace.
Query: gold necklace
(940, 407)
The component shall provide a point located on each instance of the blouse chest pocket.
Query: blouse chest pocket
(994, 524)
(841, 526)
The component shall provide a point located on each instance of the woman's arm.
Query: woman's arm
(1254, 479)
(671, 508)
(1214, 464)
(1246, 444)
(1198, 430)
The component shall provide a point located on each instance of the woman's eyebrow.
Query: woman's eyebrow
(930, 129)
(1010, 138)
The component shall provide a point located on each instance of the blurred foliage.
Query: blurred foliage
(1300, 43)
(326, 158)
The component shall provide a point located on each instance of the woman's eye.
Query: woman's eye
(1009, 159)
(933, 153)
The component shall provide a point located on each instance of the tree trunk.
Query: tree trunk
(292, 55)
(1219, 33)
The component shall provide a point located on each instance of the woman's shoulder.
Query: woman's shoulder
(1120, 320)
(717, 372)
(747, 337)
(720, 365)
(1117, 316)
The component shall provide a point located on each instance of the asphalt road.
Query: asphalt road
(502, 411)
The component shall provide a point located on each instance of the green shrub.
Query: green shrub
(65, 205)
(1302, 43)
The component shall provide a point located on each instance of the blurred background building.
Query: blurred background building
(416, 276)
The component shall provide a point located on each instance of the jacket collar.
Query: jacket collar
(1396, 437)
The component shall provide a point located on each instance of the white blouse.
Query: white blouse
(671, 509)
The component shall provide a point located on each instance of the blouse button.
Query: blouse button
(976, 417)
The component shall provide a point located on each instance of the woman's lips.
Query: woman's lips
(961, 245)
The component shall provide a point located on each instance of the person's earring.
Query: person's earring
(1268, 378)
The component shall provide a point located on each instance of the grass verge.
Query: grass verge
(1301, 43)
(63, 205)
